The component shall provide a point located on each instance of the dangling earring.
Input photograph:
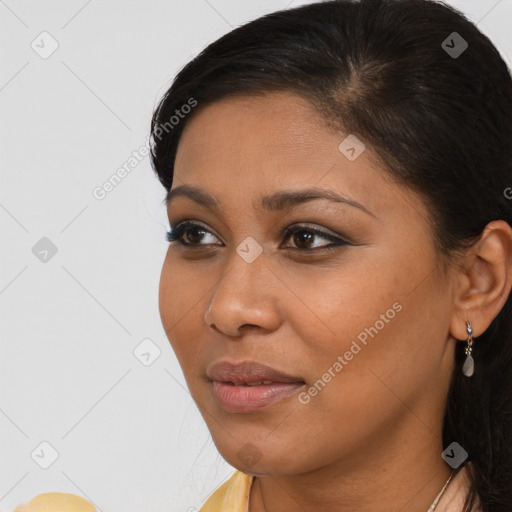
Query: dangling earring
(469, 364)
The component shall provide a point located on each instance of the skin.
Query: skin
(377, 424)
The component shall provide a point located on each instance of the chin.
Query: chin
(261, 458)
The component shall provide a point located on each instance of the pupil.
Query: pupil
(305, 236)
(193, 232)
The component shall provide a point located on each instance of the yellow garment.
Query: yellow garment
(231, 496)
(57, 502)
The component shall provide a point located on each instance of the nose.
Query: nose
(247, 296)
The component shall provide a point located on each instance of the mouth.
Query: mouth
(256, 383)
(250, 386)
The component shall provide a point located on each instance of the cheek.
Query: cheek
(360, 327)
(336, 306)
(180, 301)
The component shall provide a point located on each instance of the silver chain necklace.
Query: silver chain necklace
(436, 501)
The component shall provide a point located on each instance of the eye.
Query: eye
(191, 234)
(191, 230)
(303, 236)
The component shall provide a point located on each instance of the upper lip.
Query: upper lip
(247, 371)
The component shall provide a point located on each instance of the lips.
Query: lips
(250, 386)
(249, 373)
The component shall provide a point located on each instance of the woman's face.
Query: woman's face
(353, 306)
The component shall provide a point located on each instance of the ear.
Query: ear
(484, 282)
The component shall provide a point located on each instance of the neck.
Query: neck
(405, 475)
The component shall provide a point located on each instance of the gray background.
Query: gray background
(124, 429)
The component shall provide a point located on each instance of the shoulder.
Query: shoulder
(57, 502)
(232, 495)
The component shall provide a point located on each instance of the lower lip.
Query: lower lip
(252, 398)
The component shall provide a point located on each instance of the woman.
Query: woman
(337, 287)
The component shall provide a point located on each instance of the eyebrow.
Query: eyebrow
(275, 202)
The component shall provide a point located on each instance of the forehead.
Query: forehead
(252, 145)
(247, 126)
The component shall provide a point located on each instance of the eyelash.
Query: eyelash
(176, 234)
